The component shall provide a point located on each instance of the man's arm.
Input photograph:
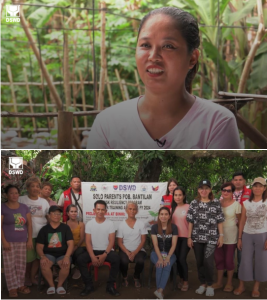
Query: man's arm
(89, 247)
(102, 257)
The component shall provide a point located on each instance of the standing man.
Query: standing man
(241, 194)
(73, 195)
(99, 239)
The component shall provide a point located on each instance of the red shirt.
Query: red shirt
(166, 201)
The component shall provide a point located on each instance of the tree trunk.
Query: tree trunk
(149, 171)
(44, 157)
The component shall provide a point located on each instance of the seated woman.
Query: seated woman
(54, 244)
(16, 237)
(164, 238)
(78, 232)
(131, 236)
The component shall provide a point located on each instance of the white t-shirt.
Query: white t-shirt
(256, 213)
(80, 201)
(230, 230)
(206, 125)
(131, 236)
(39, 209)
(99, 233)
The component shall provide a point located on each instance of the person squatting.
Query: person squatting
(34, 237)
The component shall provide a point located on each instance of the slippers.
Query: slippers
(24, 290)
(228, 288)
(210, 291)
(13, 293)
(125, 282)
(51, 290)
(237, 292)
(158, 294)
(137, 283)
(200, 290)
(184, 287)
(255, 294)
(61, 290)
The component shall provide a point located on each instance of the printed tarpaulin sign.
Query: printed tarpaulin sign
(118, 194)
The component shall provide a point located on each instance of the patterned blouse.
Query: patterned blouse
(205, 217)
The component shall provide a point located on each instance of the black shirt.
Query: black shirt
(55, 239)
(167, 244)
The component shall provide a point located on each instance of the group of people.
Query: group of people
(32, 234)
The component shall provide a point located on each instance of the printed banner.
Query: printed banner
(116, 195)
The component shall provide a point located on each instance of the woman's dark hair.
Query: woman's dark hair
(70, 206)
(228, 184)
(174, 204)
(47, 183)
(169, 224)
(264, 195)
(169, 182)
(11, 186)
(188, 27)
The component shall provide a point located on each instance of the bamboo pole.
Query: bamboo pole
(247, 67)
(50, 114)
(125, 89)
(13, 95)
(83, 97)
(65, 130)
(100, 104)
(137, 82)
(51, 87)
(110, 97)
(45, 99)
(74, 89)
(66, 74)
(120, 83)
(29, 97)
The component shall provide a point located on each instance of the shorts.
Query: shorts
(55, 259)
(32, 255)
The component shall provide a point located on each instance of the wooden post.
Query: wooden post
(251, 132)
(110, 97)
(65, 130)
(83, 98)
(120, 83)
(45, 99)
(74, 90)
(125, 90)
(137, 82)
(100, 105)
(10, 77)
(29, 97)
(66, 74)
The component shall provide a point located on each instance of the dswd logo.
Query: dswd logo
(12, 13)
(15, 165)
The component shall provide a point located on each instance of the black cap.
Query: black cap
(204, 182)
(54, 208)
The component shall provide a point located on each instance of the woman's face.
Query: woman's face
(178, 197)
(227, 192)
(72, 213)
(172, 186)
(162, 56)
(34, 189)
(258, 189)
(46, 191)
(204, 191)
(13, 195)
(164, 216)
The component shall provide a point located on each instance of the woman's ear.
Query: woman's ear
(194, 58)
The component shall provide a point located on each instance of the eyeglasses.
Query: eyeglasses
(56, 214)
(227, 191)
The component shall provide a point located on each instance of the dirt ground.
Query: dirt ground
(130, 292)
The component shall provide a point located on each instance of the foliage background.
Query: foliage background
(227, 29)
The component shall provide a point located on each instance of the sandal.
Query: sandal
(210, 291)
(228, 288)
(125, 282)
(61, 290)
(238, 292)
(201, 290)
(13, 293)
(255, 294)
(184, 287)
(137, 283)
(51, 290)
(24, 290)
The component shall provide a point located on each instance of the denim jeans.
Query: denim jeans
(162, 273)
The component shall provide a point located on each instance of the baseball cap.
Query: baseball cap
(259, 180)
(204, 182)
(54, 208)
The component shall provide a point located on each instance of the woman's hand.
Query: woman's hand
(190, 243)
(239, 244)
(220, 242)
(43, 261)
(265, 245)
(29, 244)
(6, 246)
(159, 263)
(166, 261)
